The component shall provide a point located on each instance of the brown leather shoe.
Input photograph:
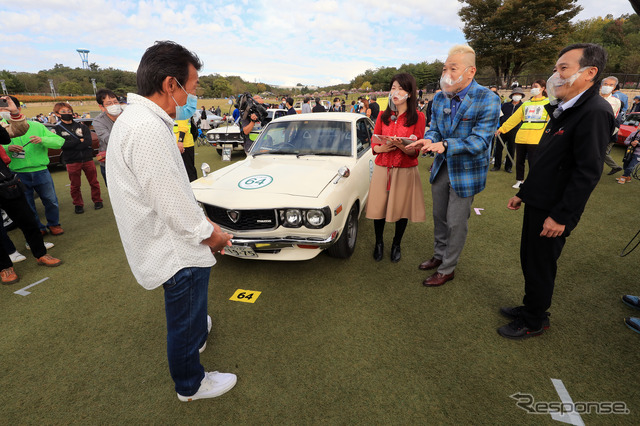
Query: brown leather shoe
(430, 264)
(9, 276)
(48, 260)
(56, 230)
(437, 279)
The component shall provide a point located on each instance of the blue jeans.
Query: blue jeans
(42, 183)
(103, 170)
(629, 168)
(185, 301)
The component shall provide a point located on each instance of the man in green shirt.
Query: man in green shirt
(29, 159)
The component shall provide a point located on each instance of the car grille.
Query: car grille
(247, 219)
(225, 137)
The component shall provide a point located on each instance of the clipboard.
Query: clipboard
(387, 139)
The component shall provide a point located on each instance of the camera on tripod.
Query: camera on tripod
(247, 106)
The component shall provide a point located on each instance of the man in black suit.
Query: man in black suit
(566, 169)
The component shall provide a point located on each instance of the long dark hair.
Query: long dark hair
(408, 84)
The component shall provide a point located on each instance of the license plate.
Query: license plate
(240, 251)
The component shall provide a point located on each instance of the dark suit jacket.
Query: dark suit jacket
(569, 160)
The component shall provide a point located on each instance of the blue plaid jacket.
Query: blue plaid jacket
(469, 136)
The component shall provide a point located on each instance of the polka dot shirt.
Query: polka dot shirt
(160, 223)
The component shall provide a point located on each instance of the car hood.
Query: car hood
(265, 177)
(226, 129)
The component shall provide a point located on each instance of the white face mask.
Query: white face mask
(556, 81)
(516, 98)
(395, 93)
(606, 90)
(446, 82)
(536, 91)
(114, 110)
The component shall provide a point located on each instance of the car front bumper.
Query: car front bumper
(292, 248)
(284, 242)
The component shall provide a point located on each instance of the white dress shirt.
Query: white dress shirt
(160, 223)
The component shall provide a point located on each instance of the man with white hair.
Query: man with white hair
(464, 118)
(606, 88)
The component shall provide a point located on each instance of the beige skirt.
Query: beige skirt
(396, 193)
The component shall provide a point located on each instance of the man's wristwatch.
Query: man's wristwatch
(446, 145)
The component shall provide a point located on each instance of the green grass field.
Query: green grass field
(328, 341)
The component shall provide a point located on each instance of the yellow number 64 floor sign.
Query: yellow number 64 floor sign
(248, 296)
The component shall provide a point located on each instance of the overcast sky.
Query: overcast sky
(278, 42)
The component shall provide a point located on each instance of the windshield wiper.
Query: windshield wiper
(273, 152)
(323, 153)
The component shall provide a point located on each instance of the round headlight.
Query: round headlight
(210, 136)
(217, 137)
(315, 218)
(293, 217)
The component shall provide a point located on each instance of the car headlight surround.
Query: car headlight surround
(310, 218)
(211, 136)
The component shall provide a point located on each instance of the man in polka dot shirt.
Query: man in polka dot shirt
(166, 236)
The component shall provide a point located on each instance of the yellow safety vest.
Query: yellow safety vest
(535, 115)
(534, 119)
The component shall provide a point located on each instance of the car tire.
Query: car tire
(346, 244)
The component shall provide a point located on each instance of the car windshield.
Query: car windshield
(632, 120)
(305, 138)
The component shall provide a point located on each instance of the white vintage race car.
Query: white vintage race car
(300, 191)
(230, 132)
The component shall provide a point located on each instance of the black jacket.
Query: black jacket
(74, 150)
(375, 110)
(569, 160)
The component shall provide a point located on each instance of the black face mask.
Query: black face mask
(66, 117)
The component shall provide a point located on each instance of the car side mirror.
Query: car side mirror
(343, 172)
(205, 169)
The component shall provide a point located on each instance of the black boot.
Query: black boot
(378, 251)
(395, 253)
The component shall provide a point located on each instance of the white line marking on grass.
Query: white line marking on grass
(477, 210)
(570, 417)
(24, 292)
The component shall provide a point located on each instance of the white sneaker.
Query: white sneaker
(47, 245)
(208, 331)
(17, 257)
(517, 184)
(214, 384)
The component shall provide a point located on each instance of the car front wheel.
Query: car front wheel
(346, 244)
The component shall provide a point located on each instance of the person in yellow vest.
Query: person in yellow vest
(184, 138)
(534, 119)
